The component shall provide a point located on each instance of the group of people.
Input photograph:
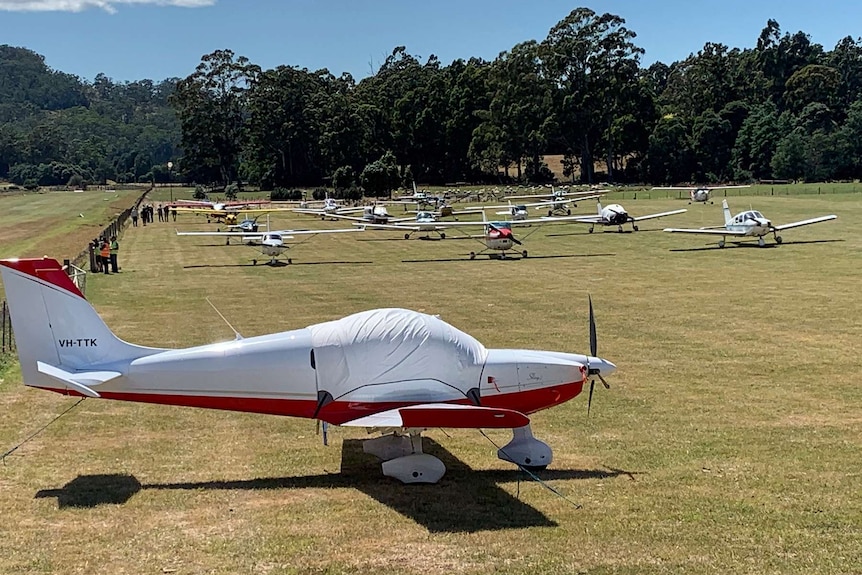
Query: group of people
(106, 260)
(147, 211)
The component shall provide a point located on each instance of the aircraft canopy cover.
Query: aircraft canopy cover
(386, 346)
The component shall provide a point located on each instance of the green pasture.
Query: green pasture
(729, 441)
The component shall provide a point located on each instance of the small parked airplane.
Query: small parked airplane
(424, 222)
(616, 215)
(376, 214)
(699, 193)
(398, 371)
(273, 243)
(559, 195)
(329, 208)
(748, 224)
(226, 212)
(248, 225)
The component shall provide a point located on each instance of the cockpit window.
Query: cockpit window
(521, 208)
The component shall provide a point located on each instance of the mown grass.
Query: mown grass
(728, 442)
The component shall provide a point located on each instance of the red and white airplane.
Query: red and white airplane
(395, 370)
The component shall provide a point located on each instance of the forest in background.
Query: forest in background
(785, 109)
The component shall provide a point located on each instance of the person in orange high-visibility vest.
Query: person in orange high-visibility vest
(105, 254)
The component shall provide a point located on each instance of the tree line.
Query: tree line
(785, 109)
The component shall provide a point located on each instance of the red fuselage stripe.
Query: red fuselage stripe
(338, 412)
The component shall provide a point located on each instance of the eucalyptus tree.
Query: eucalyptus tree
(210, 104)
(590, 60)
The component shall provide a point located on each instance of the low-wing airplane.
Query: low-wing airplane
(376, 214)
(748, 224)
(699, 193)
(398, 371)
(557, 195)
(248, 225)
(616, 215)
(226, 212)
(423, 222)
(329, 208)
(272, 243)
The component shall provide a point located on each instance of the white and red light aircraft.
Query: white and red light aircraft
(223, 211)
(389, 369)
(271, 243)
(699, 194)
(616, 215)
(748, 224)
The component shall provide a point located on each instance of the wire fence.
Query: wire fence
(761, 190)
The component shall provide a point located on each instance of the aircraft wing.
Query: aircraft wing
(237, 234)
(443, 415)
(314, 232)
(708, 231)
(805, 223)
(346, 217)
(661, 215)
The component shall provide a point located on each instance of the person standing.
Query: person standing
(134, 215)
(115, 249)
(161, 212)
(105, 254)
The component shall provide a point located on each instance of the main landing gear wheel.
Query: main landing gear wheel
(526, 450)
(634, 227)
(778, 240)
(472, 255)
(406, 236)
(721, 243)
(550, 213)
(591, 229)
(524, 253)
(442, 236)
(289, 261)
(254, 262)
(568, 212)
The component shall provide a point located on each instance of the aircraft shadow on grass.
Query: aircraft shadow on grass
(751, 244)
(586, 233)
(511, 258)
(463, 501)
(264, 263)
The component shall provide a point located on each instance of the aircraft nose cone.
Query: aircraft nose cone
(604, 366)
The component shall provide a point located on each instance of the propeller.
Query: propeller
(593, 353)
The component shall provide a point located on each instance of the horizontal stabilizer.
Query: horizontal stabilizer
(443, 415)
(79, 381)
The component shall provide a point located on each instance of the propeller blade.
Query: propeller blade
(590, 398)
(593, 339)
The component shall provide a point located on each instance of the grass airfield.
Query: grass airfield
(730, 439)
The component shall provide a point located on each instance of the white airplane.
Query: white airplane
(699, 193)
(557, 195)
(223, 211)
(329, 208)
(616, 215)
(423, 222)
(376, 214)
(272, 243)
(748, 224)
(398, 371)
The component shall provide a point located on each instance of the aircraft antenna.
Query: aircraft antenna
(235, 332)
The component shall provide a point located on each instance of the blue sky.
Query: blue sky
(135, 39)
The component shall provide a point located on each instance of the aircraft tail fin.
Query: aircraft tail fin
(57, 332)
(599, 206)
(727, 215)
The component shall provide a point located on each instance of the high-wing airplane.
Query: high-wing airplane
(699, 193)
(394, 370)
(748, 224)
(272, 243)
(616, 215)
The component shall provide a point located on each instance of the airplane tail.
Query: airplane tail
(727, 215)
(60, 337)
(599, 206)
